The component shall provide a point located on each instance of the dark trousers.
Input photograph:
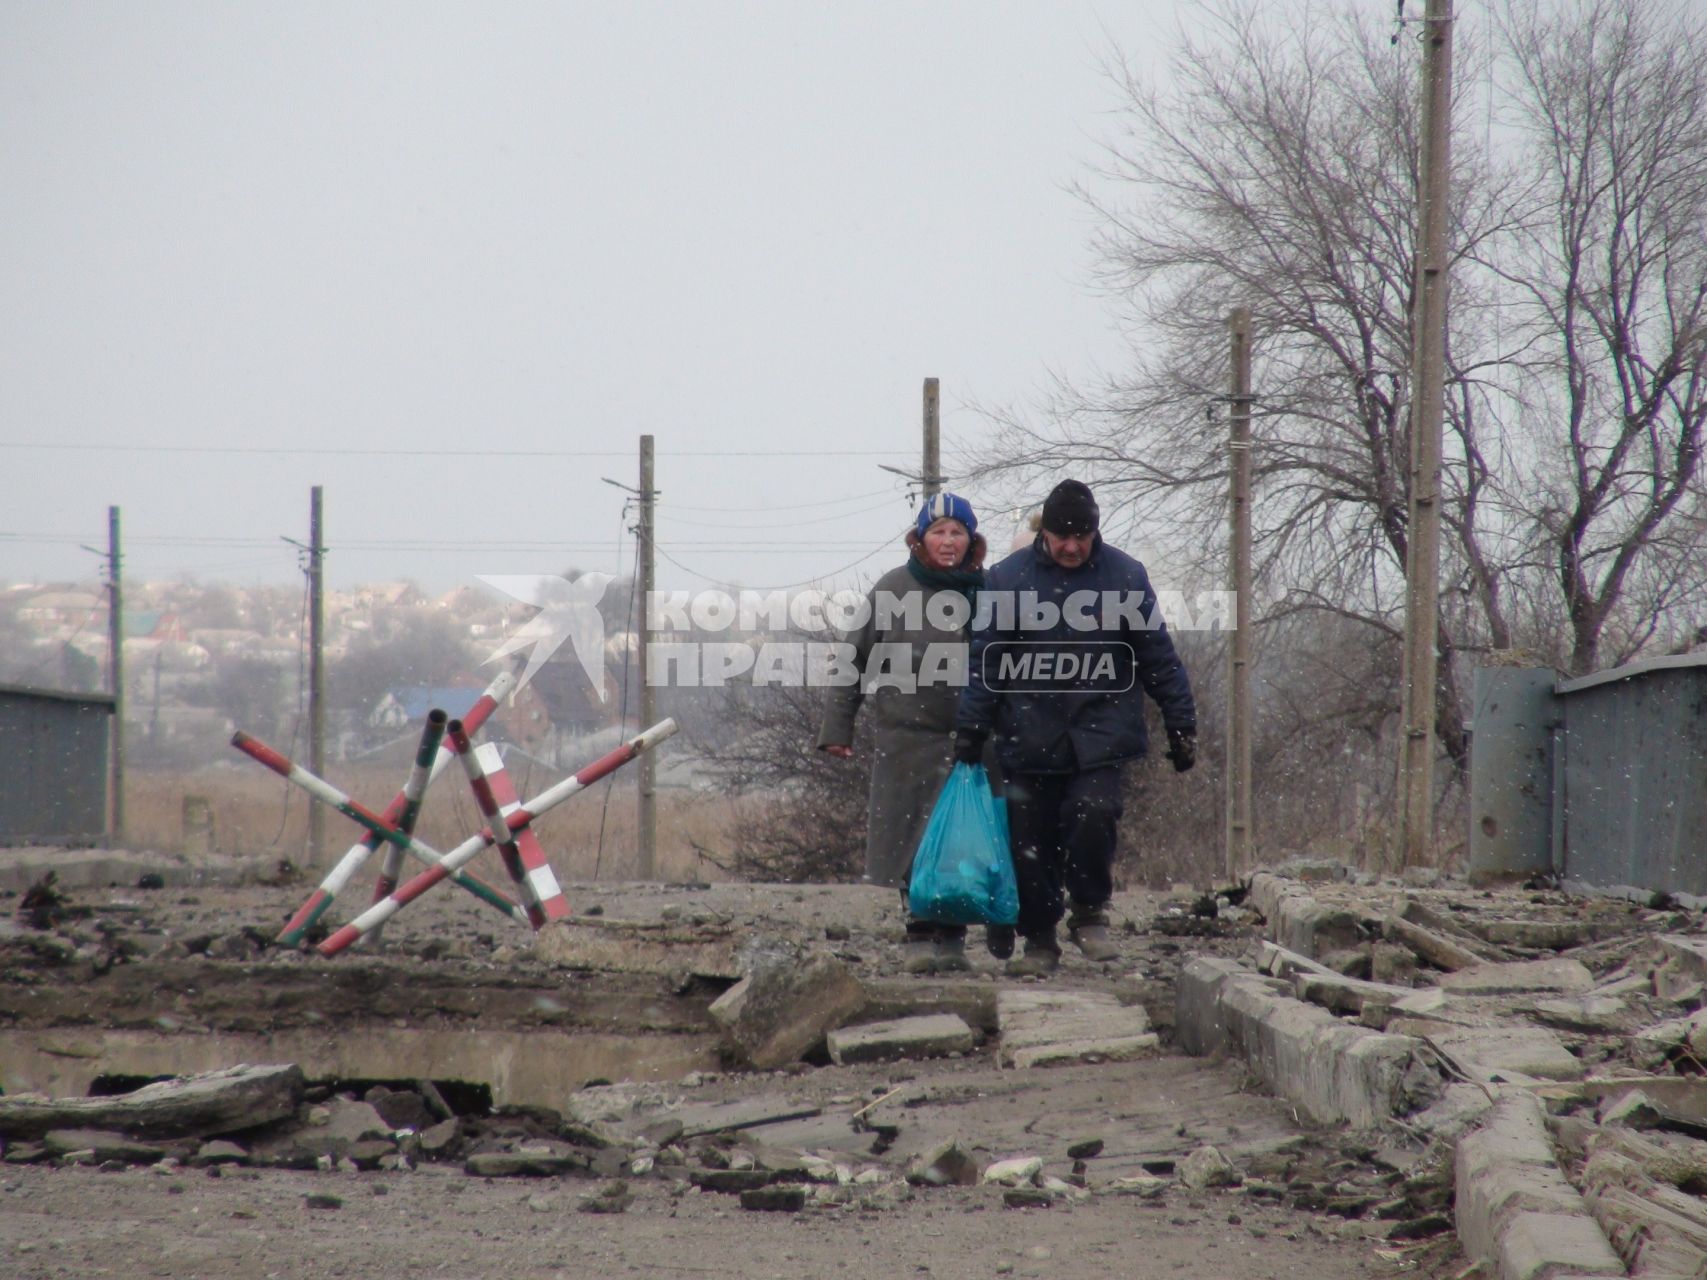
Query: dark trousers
(1063, 828)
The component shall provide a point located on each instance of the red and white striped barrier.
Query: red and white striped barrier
(541, 880)
(357, 854)
(326, 793)
(516, 820)
(496, 830)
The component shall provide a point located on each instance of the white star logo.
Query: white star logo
(567, 611)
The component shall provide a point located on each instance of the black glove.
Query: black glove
(1182, 749)
(969, 746)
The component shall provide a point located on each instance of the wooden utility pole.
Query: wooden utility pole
(1239, 581)
(1428, 396)
(316, 670)
(115, 675)
(932, 473)
(646, 833)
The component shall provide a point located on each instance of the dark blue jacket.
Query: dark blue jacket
(1061, 728)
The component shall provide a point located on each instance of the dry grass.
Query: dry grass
(256, 814)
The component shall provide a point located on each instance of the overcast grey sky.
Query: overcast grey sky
(451, 260)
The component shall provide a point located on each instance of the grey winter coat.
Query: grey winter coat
(915, 750)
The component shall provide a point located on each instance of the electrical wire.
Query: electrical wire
(393, 453)
(883, 546)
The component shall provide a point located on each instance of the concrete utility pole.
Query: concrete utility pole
(646, 833)
(316, 669)
(1428, 395)
(115, 675)
(933, 439)
(1239, 580)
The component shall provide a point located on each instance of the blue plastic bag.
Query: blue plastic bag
(963, 872)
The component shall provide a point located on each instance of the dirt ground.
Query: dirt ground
(122, 954)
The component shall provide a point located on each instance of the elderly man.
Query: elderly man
(1067, 642)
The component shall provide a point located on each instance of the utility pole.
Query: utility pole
(115, 675)
(932, 474)
(1428, 395)
(1239, 580)
(646, 830)
(316, 670)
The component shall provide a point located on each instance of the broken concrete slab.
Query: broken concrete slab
(701, 1119)
(666, 947)
(1680, 965)
(223, 1101)
(1461, 1106)
(1297, 921)
(1535, 935)
(1449, 924)
(1434, 948)
(782, 1009)
(972, 1000)
(933, 1035)
(1332, 1070)
(1589, 1014)
(1681, 1096)
(1493, 1053)
(1652, 1046)
(1040, 1028)
(1561, 974)
(1514, 1209)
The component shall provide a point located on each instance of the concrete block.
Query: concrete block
(1333, 1071)
(1591, 1014)
(1198, 1024)
(629, 946)
(1105, 1049)
(1537, 935)
(1519, 976)
(971, 999)
(931, 1036)
(1553, 1246)
(781, 1010)
(1297, 921)
(1048, 1028)
(1488, 1053)
(1459, 1107)
(1680, 964)
(1514, 1209)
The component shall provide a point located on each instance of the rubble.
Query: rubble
(666, 947)
(240, 1097)
(928, 1036)
(782, 1009)
(1040, 1027)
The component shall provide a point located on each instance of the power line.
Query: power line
(394, 454)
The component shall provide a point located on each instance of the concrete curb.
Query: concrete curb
(1515, 1210)
(1297, 921)
(99, 868)
(1331, 1070)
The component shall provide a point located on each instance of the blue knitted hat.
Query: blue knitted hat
(946, 506)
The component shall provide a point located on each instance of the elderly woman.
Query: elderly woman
(911, 656)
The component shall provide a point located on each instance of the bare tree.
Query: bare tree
(1610, 270)
(1278, 171)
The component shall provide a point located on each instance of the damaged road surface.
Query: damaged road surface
(456, 1103)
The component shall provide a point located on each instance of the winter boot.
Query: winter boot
(1042, 957)
(951, 952)
(999, 940)
(1089, 931)
(918, 952)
